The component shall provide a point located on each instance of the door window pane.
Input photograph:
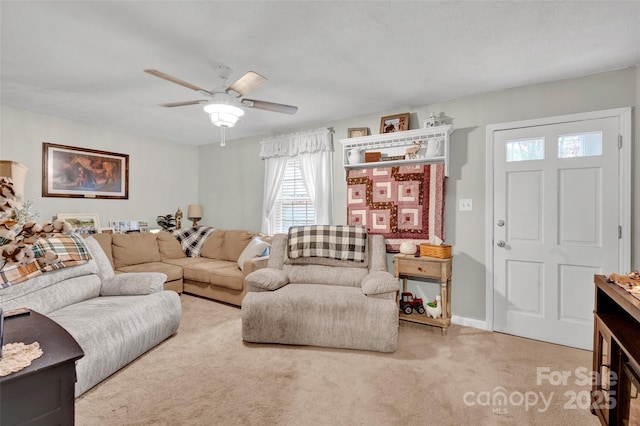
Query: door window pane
(525, 149)
(580, 145)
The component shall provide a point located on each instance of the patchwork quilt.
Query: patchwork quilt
(400, 203)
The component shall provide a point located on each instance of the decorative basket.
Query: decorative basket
(441, 252)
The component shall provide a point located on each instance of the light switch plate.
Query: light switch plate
(465, 204)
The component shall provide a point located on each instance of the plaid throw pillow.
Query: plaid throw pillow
(70, 251)
(334, 242)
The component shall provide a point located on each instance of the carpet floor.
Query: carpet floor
(206, 375)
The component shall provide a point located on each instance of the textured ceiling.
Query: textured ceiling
(333, 59)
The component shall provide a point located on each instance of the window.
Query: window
(580, 145)
(298, 180)
(525, 149)
(293, 205)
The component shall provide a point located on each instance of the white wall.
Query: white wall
(162, 175)
(231, 184)
(233, 176)
(228, 181)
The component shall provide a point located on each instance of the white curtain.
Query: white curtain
(314, 151)
(273, 173)
(317, 173)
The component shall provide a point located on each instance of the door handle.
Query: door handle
(500, 222)
(501, 243)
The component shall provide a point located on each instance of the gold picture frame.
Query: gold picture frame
(356, 132)
(72, 172)
(394, 123)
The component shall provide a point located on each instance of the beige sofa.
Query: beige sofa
(214, 275)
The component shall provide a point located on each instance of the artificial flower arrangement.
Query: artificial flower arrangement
(18, 233)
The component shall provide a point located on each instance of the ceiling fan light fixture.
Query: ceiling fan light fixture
(224, 115)
(223, 112)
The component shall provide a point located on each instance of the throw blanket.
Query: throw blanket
(334, 242)
(192, 239)
(56, 251)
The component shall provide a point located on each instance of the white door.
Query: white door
(556, 224)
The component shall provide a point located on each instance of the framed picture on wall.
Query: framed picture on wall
(394, 123)
(82, 223)
(356, 132)
(72, 172)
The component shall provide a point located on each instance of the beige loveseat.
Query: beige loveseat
(216, 274)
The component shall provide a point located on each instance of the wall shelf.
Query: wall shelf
(396, 144)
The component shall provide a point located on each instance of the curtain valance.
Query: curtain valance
(295, 144)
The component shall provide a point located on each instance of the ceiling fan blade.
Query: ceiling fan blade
(269, 106)
(248, 82)
(176, 81)
(183, 103)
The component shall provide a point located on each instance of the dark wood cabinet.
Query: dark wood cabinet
(42, 393)
(616, 355)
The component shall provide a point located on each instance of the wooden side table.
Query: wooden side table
(406, 266)
(42, 393)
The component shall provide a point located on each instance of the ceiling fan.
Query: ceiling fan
(224, 104)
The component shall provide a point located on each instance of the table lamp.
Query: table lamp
(194, 213)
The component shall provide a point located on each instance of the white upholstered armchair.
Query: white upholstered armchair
(323, 291)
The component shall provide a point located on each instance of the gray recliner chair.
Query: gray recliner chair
(323, 301)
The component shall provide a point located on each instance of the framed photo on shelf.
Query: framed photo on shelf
(356, 132)
(124, 226)
(72, 172)
(394, 123)
(119, 226)
(82, 223)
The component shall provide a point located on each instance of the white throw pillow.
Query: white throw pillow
(255, 248)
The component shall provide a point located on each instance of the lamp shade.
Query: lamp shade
(194, 212)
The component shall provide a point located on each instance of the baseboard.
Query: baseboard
(470, 322)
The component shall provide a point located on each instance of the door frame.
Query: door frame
(624, 191)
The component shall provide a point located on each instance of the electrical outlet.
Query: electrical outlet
(465, 204)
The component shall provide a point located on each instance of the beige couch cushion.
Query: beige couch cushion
(234, 243)
(135, 248)
(229, 276)
(169, 246)
(220, 273)
(212, 247)
(173, 272)
(105, 243)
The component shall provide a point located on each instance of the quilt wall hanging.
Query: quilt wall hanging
(400, 203)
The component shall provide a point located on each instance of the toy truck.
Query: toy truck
(408, 304)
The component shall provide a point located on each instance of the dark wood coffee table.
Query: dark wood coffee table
(42, 393)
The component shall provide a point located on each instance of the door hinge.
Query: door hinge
(619, 232)
(619, 141)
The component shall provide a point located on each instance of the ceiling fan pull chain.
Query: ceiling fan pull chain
(222, 135)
